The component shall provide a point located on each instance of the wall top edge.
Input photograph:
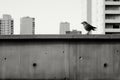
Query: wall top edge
(59, 36)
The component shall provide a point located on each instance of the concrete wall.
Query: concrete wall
(49, 59)
(70, 57)
(97, 61)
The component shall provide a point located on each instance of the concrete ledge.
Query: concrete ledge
(60, 57)
(34, 79)
(59, 36)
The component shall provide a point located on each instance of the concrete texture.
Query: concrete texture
(60, 57)
(72, 36)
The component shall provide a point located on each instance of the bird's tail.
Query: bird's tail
(94, 28)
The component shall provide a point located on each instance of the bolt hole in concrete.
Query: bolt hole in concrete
(105, 65)
(5, 58)
(80, 58)
(117, 51)
(34, 64)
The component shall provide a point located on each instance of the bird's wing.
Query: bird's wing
(88, 27)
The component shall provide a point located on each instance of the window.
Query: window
(115, 26)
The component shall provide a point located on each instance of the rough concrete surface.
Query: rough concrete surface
(54, 57)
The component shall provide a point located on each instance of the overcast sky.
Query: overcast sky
(47, 13)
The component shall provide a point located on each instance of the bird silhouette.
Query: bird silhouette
(88, 27)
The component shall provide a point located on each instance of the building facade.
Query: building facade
(64, 26)
(112, 16)
(105, 15)
(6, 25)
(27, 26)
(95, 15)
(89, 9)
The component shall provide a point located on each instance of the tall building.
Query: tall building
(105, 15)
(6, 25)
(64, 26)
(27, 26)
(89, 11)
(95, 15)
(112, 16)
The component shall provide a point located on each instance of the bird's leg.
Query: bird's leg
(88, 33)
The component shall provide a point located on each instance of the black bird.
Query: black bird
(88, 27)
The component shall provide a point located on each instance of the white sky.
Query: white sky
(47, 13)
